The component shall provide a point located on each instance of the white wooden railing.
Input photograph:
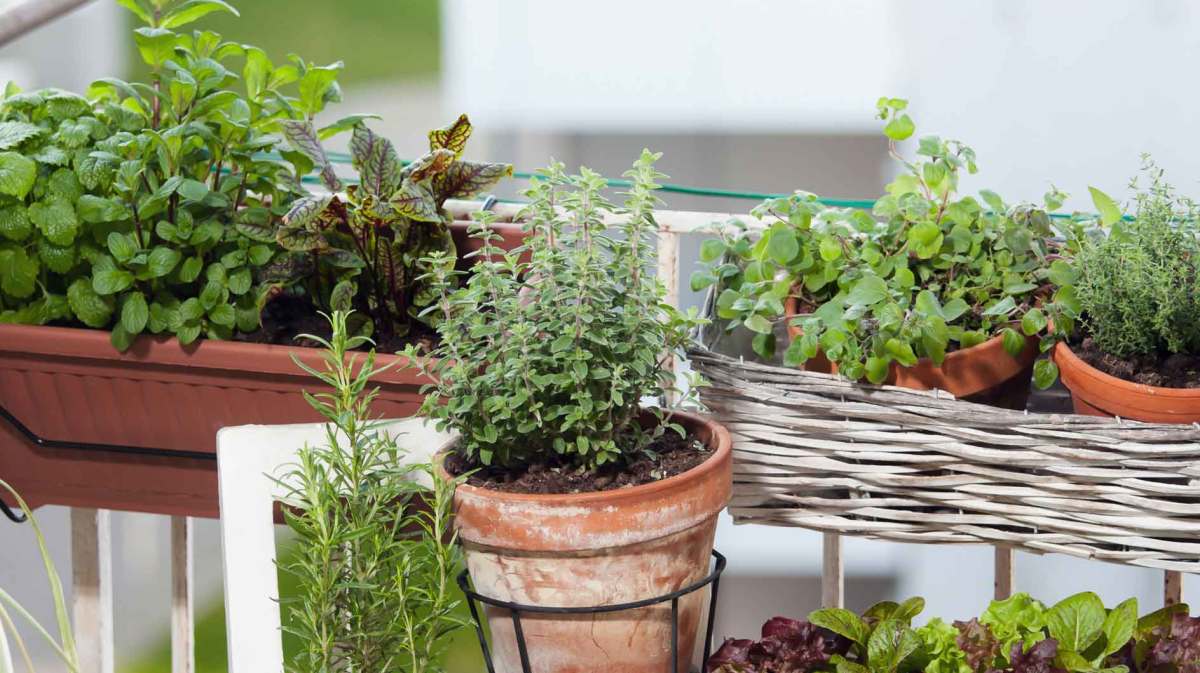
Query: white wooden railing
(91, 541)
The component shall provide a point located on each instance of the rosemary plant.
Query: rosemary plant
(377, 556)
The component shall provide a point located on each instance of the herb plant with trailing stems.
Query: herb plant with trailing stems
(927, 272)
(376, 554)
(547, 351)
(369, 248)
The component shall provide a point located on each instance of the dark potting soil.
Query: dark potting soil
(671, 455)
(1162, 370)
(285, 318)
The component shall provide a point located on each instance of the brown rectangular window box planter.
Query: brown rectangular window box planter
(151, 414)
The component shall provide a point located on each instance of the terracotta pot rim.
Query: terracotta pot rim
(1075, 365)
(720, 437)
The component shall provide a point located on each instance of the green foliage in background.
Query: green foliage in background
(547, 351)
(929, 271)
(1139, 286)
(368, 250)
(379, 40)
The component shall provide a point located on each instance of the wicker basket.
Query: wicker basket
(820, 452)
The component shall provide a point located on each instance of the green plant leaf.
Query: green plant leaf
(18, 272)
(758, 323)
(889, 645)
(162, 261)
(14, 223)
(17, 174)
(111, 281)
(91, 309)
(466, 179)
(783, 246)
(1003, 307)
(13, 133)
(415, 201)
(842, 622)
(1061, 273)
(134, 313)
(1076, 621)
(305, 211)
(1012, 341)
(156, 45)
(1033, 321)
(1045, 372)
(56, 219)
(899, 128)
(97, 209)
(902, 351)
(711, 250)
(453, 137)
(301, 135)
(867, 291)
(121, 246)
(1110, 212)
(1118, 628)
(315, 87)
(376, 161)
(189, 11)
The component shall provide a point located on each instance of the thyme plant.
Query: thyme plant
(547, 351)
(376, 554)
(1139, 287)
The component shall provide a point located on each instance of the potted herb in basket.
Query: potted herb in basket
(1135, 349)
(576, 495)
(931, 290)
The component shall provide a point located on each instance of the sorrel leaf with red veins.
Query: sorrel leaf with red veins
(376, 161)
(453, 137)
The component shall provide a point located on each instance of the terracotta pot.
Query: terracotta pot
(600, 548)
(160, 401)
(1095, 393)
(985, 373)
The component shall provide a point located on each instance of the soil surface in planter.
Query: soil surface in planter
(285, 318)
(671, 455)
(1161, 370)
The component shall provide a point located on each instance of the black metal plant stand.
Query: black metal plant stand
(515, 610)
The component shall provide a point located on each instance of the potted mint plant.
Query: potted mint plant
(147, 277)
(932, 289)
(1134, 351)
(576, 494)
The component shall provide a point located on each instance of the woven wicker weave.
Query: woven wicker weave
(819, 452)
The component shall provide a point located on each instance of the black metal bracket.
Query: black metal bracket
(515, 610)
(46, 443)
(12, 516)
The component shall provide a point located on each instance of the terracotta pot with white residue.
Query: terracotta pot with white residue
(600, 548)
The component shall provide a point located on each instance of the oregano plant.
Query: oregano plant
(547, 351)
(926, 272)
(367, 246)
